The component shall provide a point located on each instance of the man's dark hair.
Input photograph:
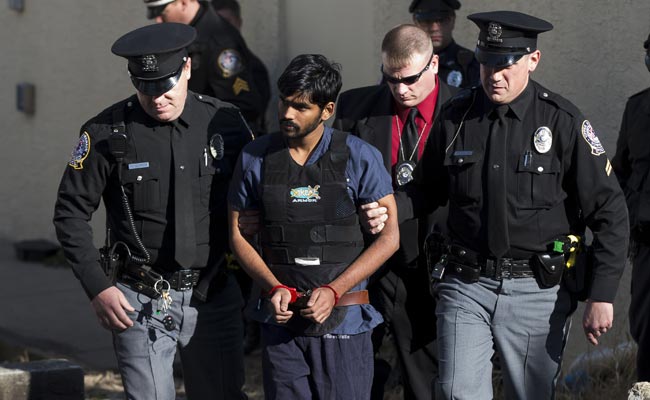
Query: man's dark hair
(231, 5)
(313, 76)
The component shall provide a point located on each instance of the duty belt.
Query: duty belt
(467, 264)
(144, 278)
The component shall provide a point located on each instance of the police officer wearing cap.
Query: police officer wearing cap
(222, 64)
(521, 169)
(457, 65)
(160, 160)
(632, 164)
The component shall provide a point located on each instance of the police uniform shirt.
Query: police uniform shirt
(147, 177)
(556, 169)
(222, 64)
(368, 181)
(457, 66)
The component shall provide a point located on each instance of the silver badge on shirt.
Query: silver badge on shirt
(543, 139)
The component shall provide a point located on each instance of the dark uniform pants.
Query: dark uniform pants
(208, 336)
(403, 299)
(640, 310)
(329, 367)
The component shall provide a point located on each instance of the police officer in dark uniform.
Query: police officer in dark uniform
(632, 164)
(231, 12)
(521, 169)
(379, 115)
(161, 162)
(458, 67)
(222, 64)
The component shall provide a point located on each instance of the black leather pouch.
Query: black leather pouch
(464, 272)
(548, 268)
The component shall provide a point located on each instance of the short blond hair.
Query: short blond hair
(402, 43)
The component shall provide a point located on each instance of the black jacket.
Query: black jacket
(632, 159)
(367, 112)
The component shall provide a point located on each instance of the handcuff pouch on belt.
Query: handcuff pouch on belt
(548, 268)
(142, 279)
(567, 257)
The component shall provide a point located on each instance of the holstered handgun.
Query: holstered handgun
(578, 279)
(435, 252)
(110, 259)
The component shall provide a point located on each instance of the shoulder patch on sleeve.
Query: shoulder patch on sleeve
(592, 140)
(230, 63)
(80, 152)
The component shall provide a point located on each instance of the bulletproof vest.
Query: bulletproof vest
(309, 214)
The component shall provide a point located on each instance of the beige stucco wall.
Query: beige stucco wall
(593, 57)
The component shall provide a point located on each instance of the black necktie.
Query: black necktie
(497, 216)
(185, 229)
(410, 137)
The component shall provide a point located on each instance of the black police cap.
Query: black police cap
(156, 54)
(506, 36)
(430, 9)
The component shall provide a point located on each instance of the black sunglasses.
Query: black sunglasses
(407, 80)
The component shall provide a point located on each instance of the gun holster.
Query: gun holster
(578, 279)
(112, 261)
(435, 252)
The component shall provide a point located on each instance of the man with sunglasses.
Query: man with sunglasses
(396, 117)
(160, 160)
(456, 64)
(222, 64)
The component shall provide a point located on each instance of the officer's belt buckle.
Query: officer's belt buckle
(504, 269)
(184, 279)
